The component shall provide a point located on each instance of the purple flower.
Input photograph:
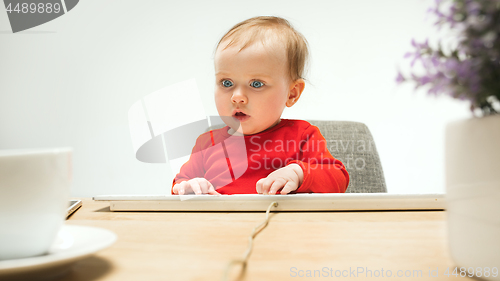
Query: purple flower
(400, 78)
(470, 71)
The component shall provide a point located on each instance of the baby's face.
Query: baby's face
(252, 86)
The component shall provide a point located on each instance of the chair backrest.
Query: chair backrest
(353, 144)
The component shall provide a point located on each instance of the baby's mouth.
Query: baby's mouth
(241, 116)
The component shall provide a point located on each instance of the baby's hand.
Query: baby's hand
(289, 178)
(196, 185)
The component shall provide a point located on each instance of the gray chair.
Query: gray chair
(353, 144)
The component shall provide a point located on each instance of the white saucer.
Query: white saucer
(73, 243)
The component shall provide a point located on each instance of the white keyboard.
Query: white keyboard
(290, 202)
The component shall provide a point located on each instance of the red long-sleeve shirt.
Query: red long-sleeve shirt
(234, 164)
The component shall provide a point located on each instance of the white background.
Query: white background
(71, 81)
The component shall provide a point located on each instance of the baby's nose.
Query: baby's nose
(238, 97)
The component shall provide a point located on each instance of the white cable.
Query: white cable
(244, 260)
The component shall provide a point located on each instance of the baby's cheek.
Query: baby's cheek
(222, 108)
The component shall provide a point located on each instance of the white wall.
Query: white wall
(71, 81)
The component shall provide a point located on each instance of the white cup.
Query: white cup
(34, 196)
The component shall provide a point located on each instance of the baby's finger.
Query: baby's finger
(195, 186)
(182, 187)
(204, 185)
(277, 184)
(266, 185)
(258, 186)
(211, 190)
(289, 187)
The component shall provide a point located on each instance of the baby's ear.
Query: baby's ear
(296, 89)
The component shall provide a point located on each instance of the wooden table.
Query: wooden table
(199, 245)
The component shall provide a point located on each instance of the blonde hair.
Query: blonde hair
(247, 32)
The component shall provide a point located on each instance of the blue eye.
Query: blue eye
(227, 83)
(257, 84)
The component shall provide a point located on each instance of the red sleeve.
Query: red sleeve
(322, 172)
(193, 168)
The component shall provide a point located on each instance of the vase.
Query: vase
(472, 159)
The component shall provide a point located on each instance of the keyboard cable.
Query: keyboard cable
(243, 261)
